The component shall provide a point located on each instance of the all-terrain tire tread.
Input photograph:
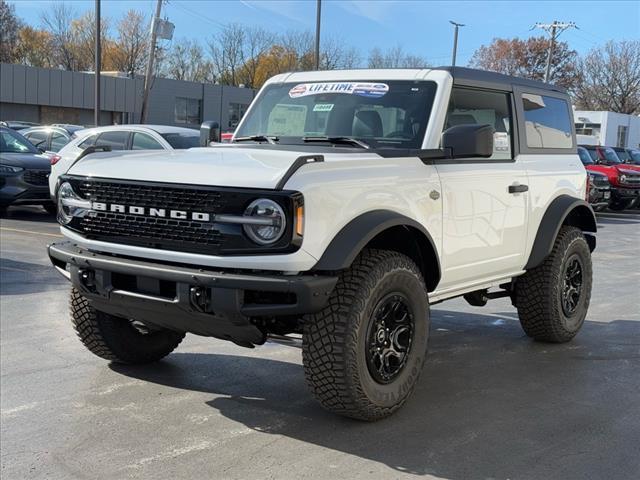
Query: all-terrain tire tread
(536, 292)
(327, 338)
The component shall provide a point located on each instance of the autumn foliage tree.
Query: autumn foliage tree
(528, 59)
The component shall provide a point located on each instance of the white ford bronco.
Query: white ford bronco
(346, 204)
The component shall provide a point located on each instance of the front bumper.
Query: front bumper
(14, 190)
(624, 193)
(202, 301)
(599, 197)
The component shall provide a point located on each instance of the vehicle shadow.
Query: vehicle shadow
(19, 278)
(29, 214)
(491, 403)
(628, 217)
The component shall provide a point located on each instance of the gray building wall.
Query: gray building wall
(58, 96)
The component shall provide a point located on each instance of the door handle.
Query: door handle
(518, 188)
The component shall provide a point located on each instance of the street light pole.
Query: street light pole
(455, 41)
(554, 30)
(317, 52)
(97, 67)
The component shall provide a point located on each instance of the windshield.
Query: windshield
(11, 142)
(623, 155)
(585, 158)
(384, 114)
(180, 141)
(635, 156)
(610, 155)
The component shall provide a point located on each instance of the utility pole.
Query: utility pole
(554, 30)
(152, 54)
(97, 67)
(317, 53)
(455, 41)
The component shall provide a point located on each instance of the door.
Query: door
(484, 201)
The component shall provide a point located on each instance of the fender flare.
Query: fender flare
(563, 210)
(355, 235)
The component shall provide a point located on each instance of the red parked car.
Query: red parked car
(623, 177)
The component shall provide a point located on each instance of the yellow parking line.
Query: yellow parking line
(29, 231)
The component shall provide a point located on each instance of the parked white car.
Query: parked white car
(121, 137)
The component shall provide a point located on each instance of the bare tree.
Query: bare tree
(9, 26)
(186, 61)
(335, 55)
(57, 21)
(227, 53)
(610, 78)
(395, 58)
(257, 43)
(130, 48)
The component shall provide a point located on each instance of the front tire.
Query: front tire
(552, 299)
(363, 353)
(117, 339)
(619, 205)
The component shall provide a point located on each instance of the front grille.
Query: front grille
(632, 180)
(152, 231)
(164, 232)
(36, 177)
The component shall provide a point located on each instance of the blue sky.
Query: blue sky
(420, 27)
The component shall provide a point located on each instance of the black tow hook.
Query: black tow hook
(200, 299)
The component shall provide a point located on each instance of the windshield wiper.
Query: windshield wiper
(349, 140)
(257, 138)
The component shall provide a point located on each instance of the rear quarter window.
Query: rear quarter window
(547, 121)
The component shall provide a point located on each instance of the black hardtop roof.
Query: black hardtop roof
(484, 78)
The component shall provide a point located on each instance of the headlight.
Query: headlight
(70, 204)
(622, 179)
(264, 221)
(10, 169)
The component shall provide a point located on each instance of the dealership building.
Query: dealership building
(47, 96)
(607, 128)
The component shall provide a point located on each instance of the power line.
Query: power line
(554, 30)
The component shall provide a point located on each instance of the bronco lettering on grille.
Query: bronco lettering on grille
(151, 212)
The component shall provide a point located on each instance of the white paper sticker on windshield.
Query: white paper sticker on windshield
(323, 107)
(371, 90)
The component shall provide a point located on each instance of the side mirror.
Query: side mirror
(41, 150)
(209, 132)
(469, 141)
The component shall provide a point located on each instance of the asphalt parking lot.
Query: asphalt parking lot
(490, 404)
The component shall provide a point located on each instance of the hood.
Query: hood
(595, 173)
(628, 170)
(224, 165)
(26, 160)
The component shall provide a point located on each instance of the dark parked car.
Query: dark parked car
(51, 138)
(17, 124)
(24, 173)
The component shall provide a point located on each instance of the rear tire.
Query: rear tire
(552, 299)
(363, 353)
(117, 339)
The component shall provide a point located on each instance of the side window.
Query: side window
(142, 141)
(116, 140)
(470, 106)
(87, 142)
(38, 138)
(547, 121)
(58, 140)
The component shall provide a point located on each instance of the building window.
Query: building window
(547, 121)
(236, 112)
(622, 136)
(188, 110)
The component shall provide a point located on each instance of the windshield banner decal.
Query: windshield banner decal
(372, 90)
